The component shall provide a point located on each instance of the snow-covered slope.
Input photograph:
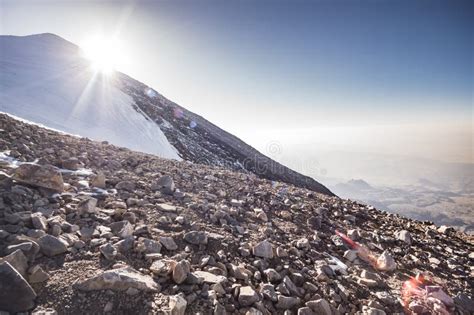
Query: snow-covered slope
(44, 79)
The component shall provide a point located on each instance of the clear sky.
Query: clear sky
(392, 76)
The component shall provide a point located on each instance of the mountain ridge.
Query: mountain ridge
(203, 143)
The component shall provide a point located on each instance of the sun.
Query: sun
(105, 54)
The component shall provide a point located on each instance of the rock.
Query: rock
(16, 295)
(179, 194)
(29, 247)
(314, 222)
(386, 297)
(281, 252)
(45, 176)
(305, 311)
(168, 243)
(367, 282)
(132, 291)
(125, 245)
(240, 272)
(350, 255)
(86, 233)
(166, 207)
(303, 243)
(109, 251)
(463, 301)
(320, 306)
(268, 291)
(52, 246)
(162, 267)
(253, 311)
(12, 218)
(42, 311)
(122, 229)
(125, 185)
(261, 215)
(108, 307)
(404, 236)
(196, 237)
(263, 249)
(17, 260)
(437, 293)
(72, 164)
(219, 310)
(33, 233)
(177, 305)
(208, 277)
(272, 275)
(247, 296)
(354, 234)
(445, 229)
(148, 246)
(369, 275)
(37, 274)
(98, 181)
(165, 184)
(287, 302)
(87, 206)
(39, 221)
(372, 311)
(180, 271)
(119, 279)
(236, 203)
(385, 262)
(291, 286)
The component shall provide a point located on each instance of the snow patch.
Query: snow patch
(45, 80)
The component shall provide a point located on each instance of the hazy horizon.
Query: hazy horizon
(392, 77)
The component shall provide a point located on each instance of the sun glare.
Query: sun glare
(105, 54)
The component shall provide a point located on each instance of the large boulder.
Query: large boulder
(45, 176)
(16, 295)
(120, 279)
(18, 261)
(52, 246)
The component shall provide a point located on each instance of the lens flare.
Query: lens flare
(150, 93)
(362, 252)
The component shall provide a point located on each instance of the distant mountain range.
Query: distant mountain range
(425, 201)
(45, 80)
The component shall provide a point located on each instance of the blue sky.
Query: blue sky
(268, 70)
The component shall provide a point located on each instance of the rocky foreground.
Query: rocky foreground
(90, 228)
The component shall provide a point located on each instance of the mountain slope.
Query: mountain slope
(45, 80)
(111, 240)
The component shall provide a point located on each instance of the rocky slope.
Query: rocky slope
(46, 80)
(90, 228)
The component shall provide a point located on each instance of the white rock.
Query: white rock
(404, 236)
(385, 262)
(177, 305)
